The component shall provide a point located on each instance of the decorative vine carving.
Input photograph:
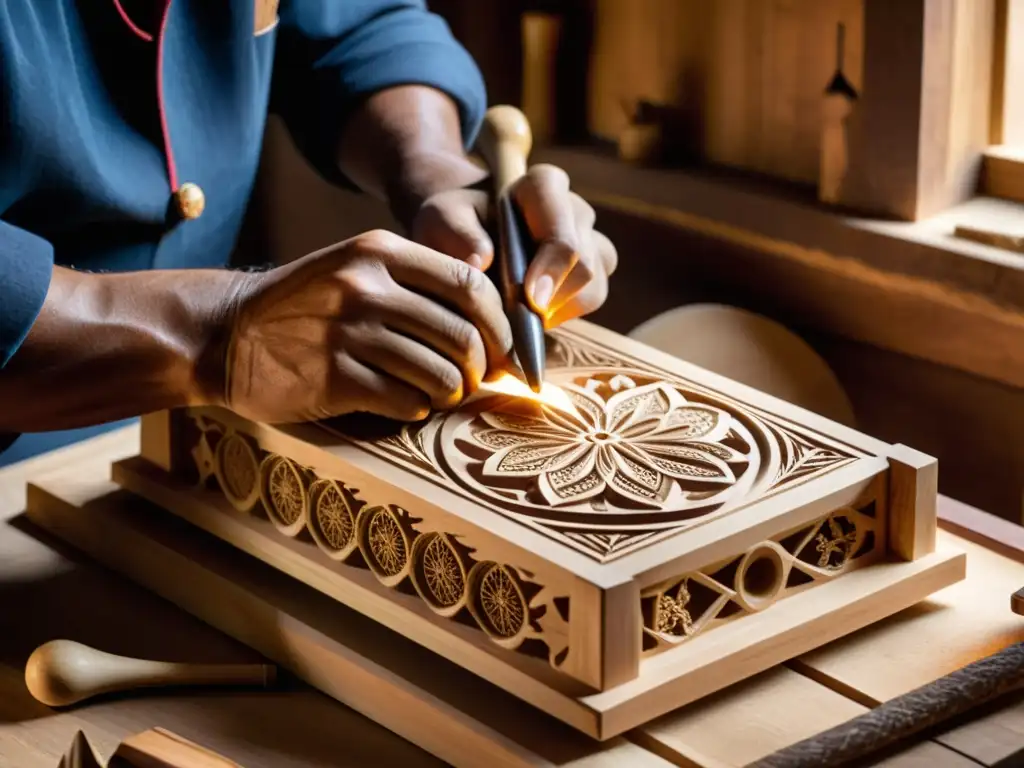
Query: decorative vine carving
(505, 602)
(696, 602)
(641, 455)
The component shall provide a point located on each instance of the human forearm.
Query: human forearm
(403, 145)
(112, 346)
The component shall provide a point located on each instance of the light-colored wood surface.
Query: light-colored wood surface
(743, 724)
(960, 624)
(522, 502)
(913, 499)
(160, 748)
(665, 682)
(294, 726)
(59, 593)
(448, 712)
(748, 75)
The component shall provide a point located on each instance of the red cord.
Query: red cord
(131, 24)
(172, 173)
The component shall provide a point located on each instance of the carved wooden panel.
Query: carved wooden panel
(508, 604)
(637, 455)
(643, 515)
(790, 562)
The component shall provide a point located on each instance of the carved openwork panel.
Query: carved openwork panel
(697, 602)
(506, 603)
(630, 456)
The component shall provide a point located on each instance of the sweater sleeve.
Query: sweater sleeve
(26, 266)
(332, 55)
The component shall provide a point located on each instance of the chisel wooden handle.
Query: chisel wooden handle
(63, 672)
(504, 143)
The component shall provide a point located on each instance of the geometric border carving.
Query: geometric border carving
(745, 454)
(504, 602)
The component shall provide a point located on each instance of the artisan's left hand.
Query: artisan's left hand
(569, 274)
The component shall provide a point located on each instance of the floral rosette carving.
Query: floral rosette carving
(639, 448)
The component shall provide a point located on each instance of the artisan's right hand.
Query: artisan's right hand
(375, 324)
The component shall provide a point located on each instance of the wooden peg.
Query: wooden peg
(63, 672)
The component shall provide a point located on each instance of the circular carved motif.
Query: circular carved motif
(237, 468)
(761, 576)
(630, 450)
(384, 543)
(331, 522)
(438, 573)
(498, 603)
(283, 489)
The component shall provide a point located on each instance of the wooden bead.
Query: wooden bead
(191, 200)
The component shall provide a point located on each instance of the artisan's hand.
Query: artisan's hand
(364, 326)
(569, 274)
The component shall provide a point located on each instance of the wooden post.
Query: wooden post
(923, 119)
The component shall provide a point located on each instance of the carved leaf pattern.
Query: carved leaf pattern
(635, 444)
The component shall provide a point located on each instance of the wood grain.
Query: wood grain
(711, 662)
(957, 625)
(418, 695)
(255, 729)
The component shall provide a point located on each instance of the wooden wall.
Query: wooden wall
(748, 75)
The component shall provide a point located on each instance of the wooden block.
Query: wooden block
(422, 697)
(155, 442)
(565, 545)
(1017, 601)
(159, 748)
(913, 498)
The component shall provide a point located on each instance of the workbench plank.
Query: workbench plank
(957, 625)
(996, 739)
(433, 703)
(926, 755)
(776, 709)
(318, 730)
(55, 593)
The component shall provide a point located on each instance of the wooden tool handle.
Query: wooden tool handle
(505, 142)
(63, 672)
(902, 717)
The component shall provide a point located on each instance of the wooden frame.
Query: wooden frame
(927, 85)
(1003, 172)
(603, 616)
(455, 715)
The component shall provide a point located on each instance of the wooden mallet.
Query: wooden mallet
(63, 672)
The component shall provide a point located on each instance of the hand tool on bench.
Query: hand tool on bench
(930, 705)
(504, 143)
(63, 672)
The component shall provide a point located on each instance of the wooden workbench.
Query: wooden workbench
(48, 591)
